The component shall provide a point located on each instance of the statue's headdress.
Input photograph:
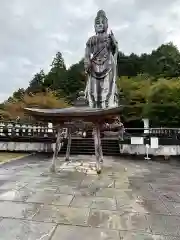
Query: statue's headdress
(102, 15)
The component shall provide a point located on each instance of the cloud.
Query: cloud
(33, 31)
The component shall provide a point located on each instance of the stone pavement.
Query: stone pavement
(130, 200)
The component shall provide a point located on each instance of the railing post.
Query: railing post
(146, 125)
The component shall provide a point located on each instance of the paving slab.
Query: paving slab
(68, 189)
(13, 185)
(5, 171)
(170, 196)
(62, 214)
(111, 192)
(18, 210)
(11, 229)
(49, 197)
(122, 183)
(5, 177)
(147, 194)
(144, 206)
(117, 220)
(98, 182)
(79, 201)
(15, 195)
(128, 235)
(173, 207)
(104, 203)
(164, 224)
(77, 233)
(94, 202)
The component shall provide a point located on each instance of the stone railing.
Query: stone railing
(41, 138)
(156, 132)
(27, 137)
(153, 141)
(29, 129)
(14, 130)
(22, 131)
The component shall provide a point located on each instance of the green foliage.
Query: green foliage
(164, 102)
(158, 101)
(75, 81)
(135, 91)
(55, 79)
(37, 83)
(19, 94)
(162, 62)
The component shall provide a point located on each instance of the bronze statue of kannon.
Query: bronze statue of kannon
(101, 65)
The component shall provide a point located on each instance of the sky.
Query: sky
(32, 31)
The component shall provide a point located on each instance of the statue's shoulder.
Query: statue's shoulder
(91, 40)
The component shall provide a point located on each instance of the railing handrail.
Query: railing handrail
(159, 128)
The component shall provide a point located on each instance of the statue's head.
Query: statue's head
(101, 22)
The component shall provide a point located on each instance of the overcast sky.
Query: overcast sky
(32, 31)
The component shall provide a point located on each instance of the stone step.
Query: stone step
(85, 146)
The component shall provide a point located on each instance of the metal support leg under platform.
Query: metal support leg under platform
(57, 149)
(98, 148)
(68, 150)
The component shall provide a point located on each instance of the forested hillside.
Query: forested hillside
(149, 86)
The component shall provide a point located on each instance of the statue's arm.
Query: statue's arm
(87, 60)
(113, 41)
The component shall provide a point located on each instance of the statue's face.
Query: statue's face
(100, 26)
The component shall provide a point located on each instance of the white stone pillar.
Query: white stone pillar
(50, 127)
(146, 124)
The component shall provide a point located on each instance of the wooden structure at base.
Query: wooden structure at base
(71, 118)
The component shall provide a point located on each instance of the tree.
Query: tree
(19, 94)
(134, 91)
(128, 65)
(37, 83)
(75, 81)
(164, 103)
(162, 62)
(56, 77)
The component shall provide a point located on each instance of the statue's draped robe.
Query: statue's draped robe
(101, 90)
